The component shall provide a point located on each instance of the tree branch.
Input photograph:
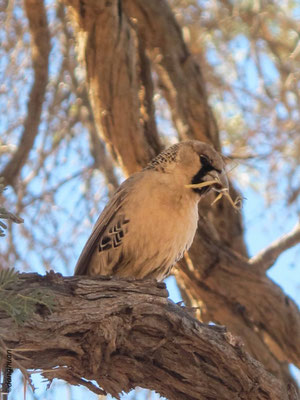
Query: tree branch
(267, 257)
(180, 76)
(112, 78)
(126, 333)
(102, 161)
(249, 304)
(40, 47)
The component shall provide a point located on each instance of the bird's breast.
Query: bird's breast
(162, 224)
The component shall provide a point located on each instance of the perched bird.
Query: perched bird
(152, 218)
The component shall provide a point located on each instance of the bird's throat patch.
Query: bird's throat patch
(198, 178)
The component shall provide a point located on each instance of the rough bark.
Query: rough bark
(40, 49)
(245, 301)
(102, 160)
(106, 45)
(126, 333)
(230, 292)
(180, 76)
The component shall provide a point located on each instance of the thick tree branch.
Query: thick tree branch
(180, 76)
(249, 304)
(126, 333)
(107, 47)
(40, 48)
(267, 257)
(102, 160)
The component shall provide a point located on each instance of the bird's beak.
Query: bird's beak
(218, 181)
(221, 180)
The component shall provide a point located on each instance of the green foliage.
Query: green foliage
(20, 305)
(4, 214)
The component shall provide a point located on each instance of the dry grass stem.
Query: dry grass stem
(223, 191)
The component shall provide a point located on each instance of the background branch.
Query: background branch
(40, 49)
(112, 78)
(266, 258)
(102, 160)
(181, 79)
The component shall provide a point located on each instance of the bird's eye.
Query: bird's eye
(205, 161)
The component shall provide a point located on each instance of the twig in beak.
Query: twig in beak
(202, 184)
(236, 204)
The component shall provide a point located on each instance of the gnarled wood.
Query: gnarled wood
(126, 333)
(246, 302)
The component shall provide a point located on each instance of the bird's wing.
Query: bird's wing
(109, 229)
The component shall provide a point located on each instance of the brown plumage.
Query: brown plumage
(152, 218)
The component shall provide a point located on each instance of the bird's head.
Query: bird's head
(190, 163)
(202, 163)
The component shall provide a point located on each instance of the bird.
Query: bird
(151, 219)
